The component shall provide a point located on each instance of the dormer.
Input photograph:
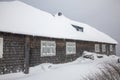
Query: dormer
(78, 28)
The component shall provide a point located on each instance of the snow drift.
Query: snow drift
(76, 70)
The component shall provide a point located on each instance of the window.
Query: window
(1, 47)
(70, 48)
(111, 47)
(103, 48)
(97, 47)
(48, 48)
(78, 28)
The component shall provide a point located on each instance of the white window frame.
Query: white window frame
(50, 45)
(71, 45)
(111, 47)
(97, 47)
(103, 48)
(1, 47)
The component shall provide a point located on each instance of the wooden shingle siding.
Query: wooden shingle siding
(13, 53)
(84, 46)
(14, 56)
(61, 50)
(34, 51)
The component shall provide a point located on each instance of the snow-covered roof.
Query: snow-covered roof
(21, 18)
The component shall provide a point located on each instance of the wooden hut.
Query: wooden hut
(29, 36)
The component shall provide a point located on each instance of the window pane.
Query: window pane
(1, 47)
(70, 47)
(73, 49)
(78, 28)
(103, 48)
(43, 50)
(111, 47)
(48, 48)
(97, 48)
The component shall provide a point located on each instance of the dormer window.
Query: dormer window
(78, 28)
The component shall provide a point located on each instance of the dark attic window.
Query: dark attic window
(78, 28)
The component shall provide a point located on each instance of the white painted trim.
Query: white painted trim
(47, 42)
(1, 47)
(97, 47)
(73, 46)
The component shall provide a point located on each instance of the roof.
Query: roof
(21, 18)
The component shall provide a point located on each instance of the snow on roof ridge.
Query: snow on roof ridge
(19, 17)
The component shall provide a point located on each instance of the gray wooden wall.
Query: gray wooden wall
(14, 52)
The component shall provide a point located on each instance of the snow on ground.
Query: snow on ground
(77, 70)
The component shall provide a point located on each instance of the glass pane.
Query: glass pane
(48, 47)
(103, 48)
(97, 48)
(70, 47)
(111, 47)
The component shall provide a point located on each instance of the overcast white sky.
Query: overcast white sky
(101, 14)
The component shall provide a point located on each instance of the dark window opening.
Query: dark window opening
(78, 28)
